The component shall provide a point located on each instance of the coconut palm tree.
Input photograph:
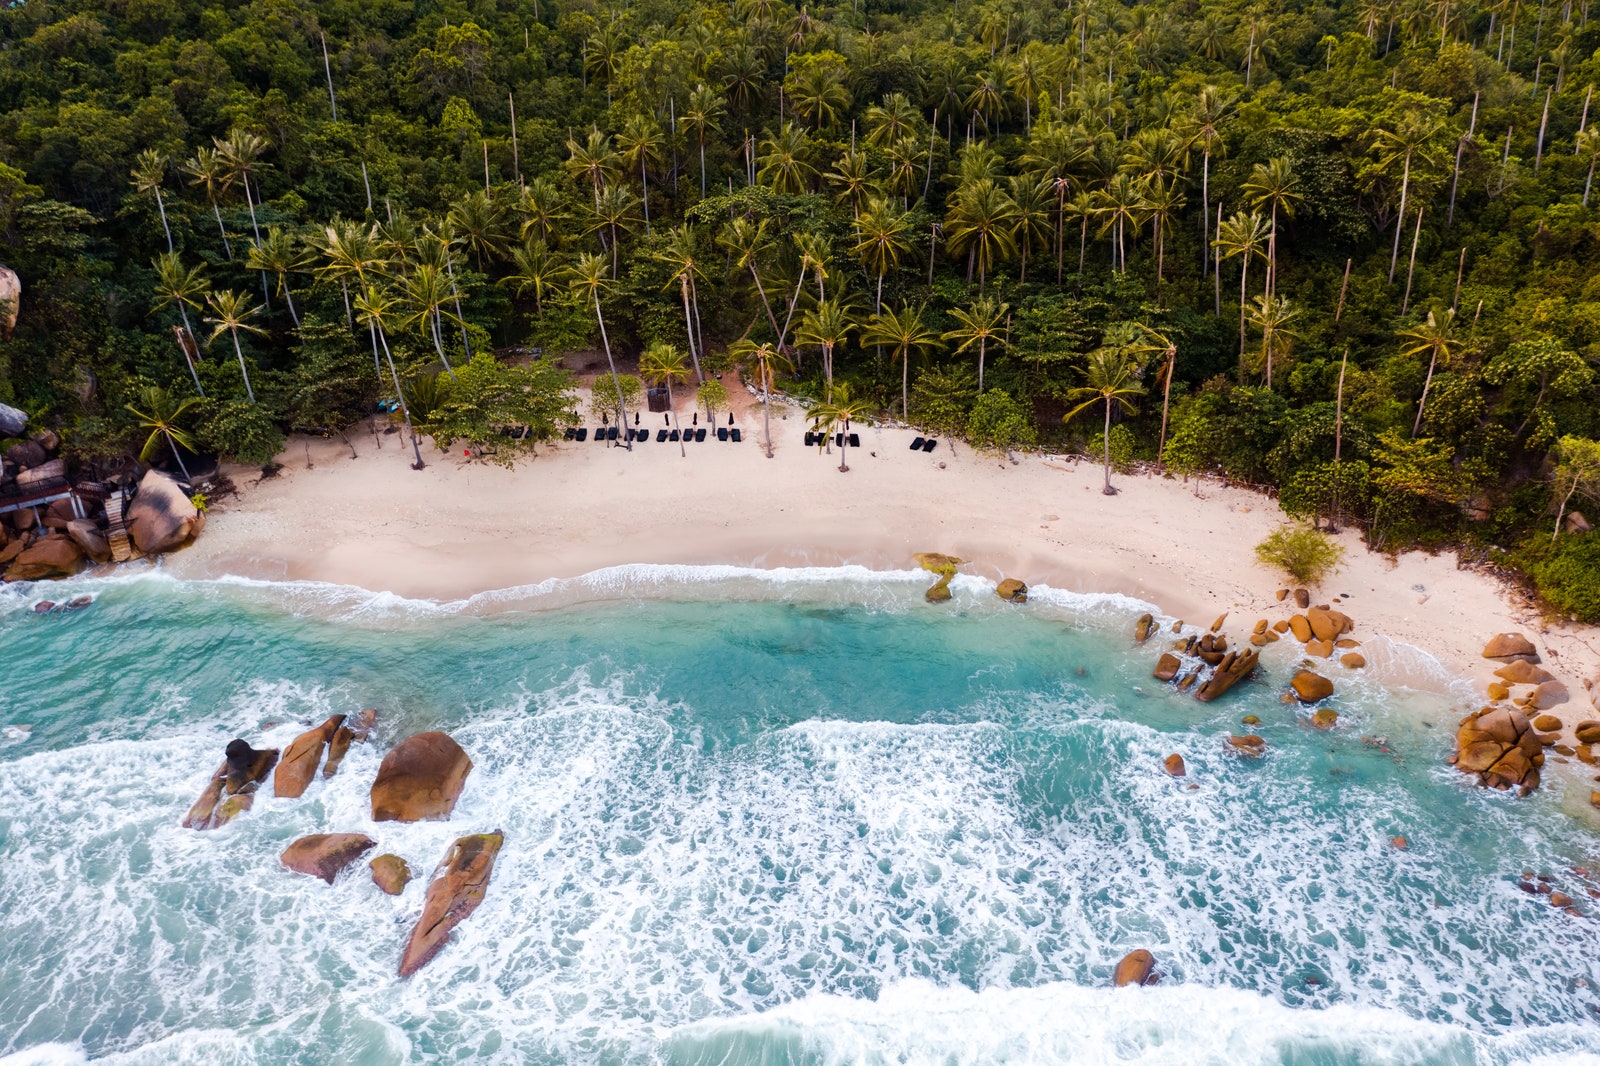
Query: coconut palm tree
(230, 312)
(1146, 341)
(160, 416)
(1162, 200)
(183, 289)
(208, 169)
(1110, 378)
(613, 211)
(819, 94)
(589, 280)
(680, 254)
(1589, 145)
(853, 178)
(593, 161)
(149, 170)
(543, 209)
(882, 234)
(424, 292)
(1033, 198)
(906, 334)
(891, 121)
(767, 359)
(241, 153)
(1243, 235)
(479, 224)
(747, 242)
(785, 161)
(639, 145)
(983, 225)
(826, 326)
(1273, 316)
(834, 415)
(1274, 185)
(703, 116)
(280, 255)
(1212, 107)
(1411, 141)
(1122, 204)
(380, 311)
(980, 324)
(536, 269)
(663, 365)
(1085, 208)
(1436, 336)
(353, 252)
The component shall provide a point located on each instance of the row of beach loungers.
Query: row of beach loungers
(689, 436)
(839, 439)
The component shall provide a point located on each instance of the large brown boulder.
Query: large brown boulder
(390, 873)
(300, 759)
(27, 454)
(1302, 628)
(48, 557)
(1135, 968)
(86, 534)
(161, 517)
(325, 854)
(1012, 590)
(241, 773)
(1522, 672)
(1500, 746)
(338, 745)
(1327, 624)
(1309, 687)
(1509, 646)
(420, 778)
(1174, 766)
(1587, 731)
(1235, 667)
(1144, 627)
(458, 886)
(1548, 694)
(1167, 666)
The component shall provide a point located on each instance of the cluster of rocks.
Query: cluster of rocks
(1503, 744)
(942, 565)
(55, 539)
(1228, 666)
(421, 778)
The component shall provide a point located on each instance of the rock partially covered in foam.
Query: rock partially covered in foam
(301, 758)
(1136, 968)
(390, 873)
(1235, 667)
(1012, 590)
(1500, 747)
(458, 886)
(325, 854)
(421, 778)
(232, 787)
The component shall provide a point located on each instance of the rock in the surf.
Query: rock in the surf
(232, 788)
(1144, 627)
(1500, 747)
(1012, 590)
(1167, 666)
(1509, 646)
(161, 517)
(1309, 687)
(1352, 660)
(1136, 968)
(1248, 744)
(458, 886)
(1173, 764)
(421, 778)
(301, 758)
(1237, 666)
(945, 567)
(46, 558)
(390, 873)
(1302, 628)
(325, 854)
(338, 745)
(1325, 718)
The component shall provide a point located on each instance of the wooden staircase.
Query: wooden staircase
(116, 529)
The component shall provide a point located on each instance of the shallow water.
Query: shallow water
(756, 818)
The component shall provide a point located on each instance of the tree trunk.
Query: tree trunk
(256, 229)
(766, 406)
(400, 395)
(239, 352)
(1422, 405)
(168, 229)
(1562, 512)
(1166, 399)
(289, 297)
(172, 445)
(764, 303)
(438, 344)
(215, 210)
(905, 384)
(983, 344)
(1106, 439)
(622, 408)
(1244, 272)
(186, 357)
(1205, 212)
(1400, 222)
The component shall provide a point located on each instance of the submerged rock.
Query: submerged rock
(1248, 744)
(300, 759)
(1352, 660)
(325, 854)
(1167, 666)
(390, 873)
(1325, 718)
(458, 886)
(241, 773)
(421, 778)
(1136, 968)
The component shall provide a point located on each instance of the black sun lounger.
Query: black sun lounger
(570, 434)
(811, 438)
(673, 436)
(661, 435)
(855, 440)
(736, 435)
(929, 444)
(700, 434)
(722, 433)
(917, 444)
(582, 434)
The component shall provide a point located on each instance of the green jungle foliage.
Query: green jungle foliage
(1345, 250)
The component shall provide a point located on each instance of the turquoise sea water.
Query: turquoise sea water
(791, 817)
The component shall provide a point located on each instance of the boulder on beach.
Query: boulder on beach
(1301, 626)
(1352, 660)
(1235, 667)
(1144, 627)
(87, 535)
(1328, 624)
(1499, 745)
(1216, 626)
(161, 517)
(1548, 694)
(1322, 649)
(1173, 764)
(338, 745)
(1012, 591)
(1547, 723)
(1509, 646)
(1136, 968)
(421, 778)
(1302, 599)
(1309, 687)
(1522, 672)
(1587, 731)
(390, 873)
(232, 787)
(458, 886)
(47, 558)
(325, 854)
(301, 758)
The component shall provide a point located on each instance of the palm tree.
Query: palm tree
(979, 325)
(819, 94)
(827, 326)
(1589, 145)
(747, 241)
(1246, 236)
(1162, 200)
(640, 144)
(230, 311)
(1084, 207)
(891, 121)
(543, 209)
(149, 169)
(589, 278)
(1410, 140)
(1272, 315)
(785, 161)
(241, 154)
(1032, 198)
(1150, 340)
(882, 232)
(160, 416)
(1436, 336)
(378, 310)
(1211, 109)
(1110, 378)
(680, 254)
(662, 364)
(479, 223)
(279, 255)
(207, 168)
(594, 161)
(834, 415)
(767, 358)
(354, 252)
(703, 116)
(852, 176)
(534, 268)
(424, 292)
(1122, 203)
(906, 333)
(982, 224)
(1275, 185)
(177, 287)
(613, 210)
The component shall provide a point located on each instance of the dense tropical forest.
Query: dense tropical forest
(1344, 250)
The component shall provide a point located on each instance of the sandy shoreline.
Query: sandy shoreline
(462, 527)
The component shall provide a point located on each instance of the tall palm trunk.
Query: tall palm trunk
(673, 407)
(765, 303)
(239, 352)
(400, 395)
(983, 346)
(256, 229)
(622, 408)
(1205, 211)
(172, 446)
(1400, 221)
(438, 343)
(1166, 400)
(905, 385)
(161, 207)
(766, 404)
(1106, 439)
(187, 358)
(215, 210)
(1422, 405)
(289, 297)
(1244, 272)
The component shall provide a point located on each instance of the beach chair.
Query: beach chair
(736, 435)
(582, 434)
(661, 436)
(917, 444)
(700, 435)
(722, 433)
(600, 435)
(811, 438)
(929, 444)
(570, 434)
(612, 435)
(855, 440)
(673, 436)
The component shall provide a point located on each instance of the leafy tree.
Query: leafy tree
(998, 423)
